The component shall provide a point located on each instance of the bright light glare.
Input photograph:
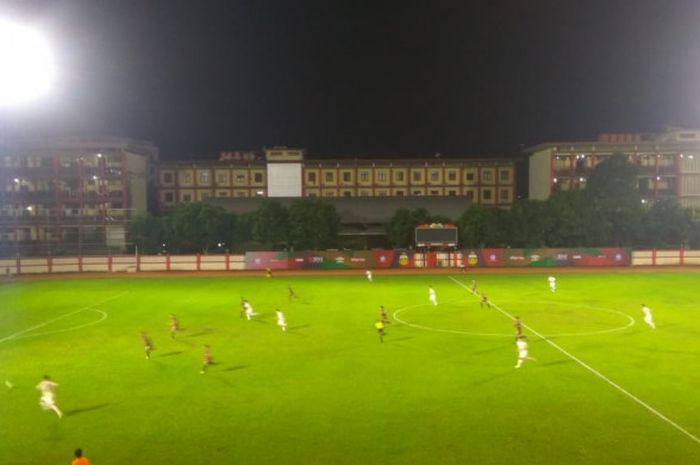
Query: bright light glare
(26, 66)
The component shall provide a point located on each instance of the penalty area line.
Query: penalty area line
(48, 322)
(594, 371)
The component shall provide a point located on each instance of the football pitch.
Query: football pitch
(441, 389)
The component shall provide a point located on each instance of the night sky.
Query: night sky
(351, 78)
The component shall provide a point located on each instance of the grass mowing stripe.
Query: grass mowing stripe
(48, 322)
(593, 370)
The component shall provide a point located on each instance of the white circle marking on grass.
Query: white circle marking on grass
(630, 322)
(47, 322)
(72, 328)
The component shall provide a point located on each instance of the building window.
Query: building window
(470, 195)
(486, 194)
(364, 193)
(381, 176)
(451, 192)
(486, 176)
(400, 176)
(311, 194)
(434, 192)
(451, 176)
(205, 195)
(364, 176)
(504, 175)
(329, 177)
(222, 178)
(417, 176)
(505, 195)
(168, 178)
(204, 177)
(240, 178)
(186, 198)
(222, 193)
(186, 178)
(311, 177)
(347, 193)
(258, 177)
(168, 197)
(400, 193)
(435, 176)
(417, 192)
(470, 176)
(347, 176)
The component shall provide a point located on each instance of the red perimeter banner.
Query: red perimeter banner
(555, 257)
(362, 259)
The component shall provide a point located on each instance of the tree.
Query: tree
(667, 224)
(612, 192)
(527, 223)
(147, 233)
(198, 227)
(400, 228)
(482, 226)
(568, 213)
(313, 224)
(270, 224)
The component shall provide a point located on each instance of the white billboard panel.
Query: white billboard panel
(284, 179)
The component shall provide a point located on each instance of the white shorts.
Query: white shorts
(47, 402)
(522, 354)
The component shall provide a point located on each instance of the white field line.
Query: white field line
(72, 328)
(595, 372)
(48, 322)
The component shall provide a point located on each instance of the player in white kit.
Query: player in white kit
(48, 395)
(522, 351)
(432, 296)
(552, 283)
(369, 275)
(281, 322)
(249, 312)
(648, 319)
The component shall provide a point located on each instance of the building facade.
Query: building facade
(284, 172)
(71, 195)
(669, 164)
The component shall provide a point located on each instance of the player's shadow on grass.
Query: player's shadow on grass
(490, 379)
(297, 327)
(200, 333)
(398, 339)
(235, 368)
(70, 413)
(555, 362)
(170, 354)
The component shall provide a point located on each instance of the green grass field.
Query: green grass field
(441, 389)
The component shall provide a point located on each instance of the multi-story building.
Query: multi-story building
(669, 164)
(66, 194)
(284, 172)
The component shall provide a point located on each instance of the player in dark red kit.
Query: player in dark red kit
(517, 324)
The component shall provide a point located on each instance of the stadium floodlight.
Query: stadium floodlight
(26, 64)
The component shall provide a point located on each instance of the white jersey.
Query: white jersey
(647, 312)
(369, 275)
(432, 296)
(280, 319)
(47, 387)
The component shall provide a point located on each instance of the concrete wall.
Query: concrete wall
(539, 177)
(665, 257)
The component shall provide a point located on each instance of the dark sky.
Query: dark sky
(357, 77)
